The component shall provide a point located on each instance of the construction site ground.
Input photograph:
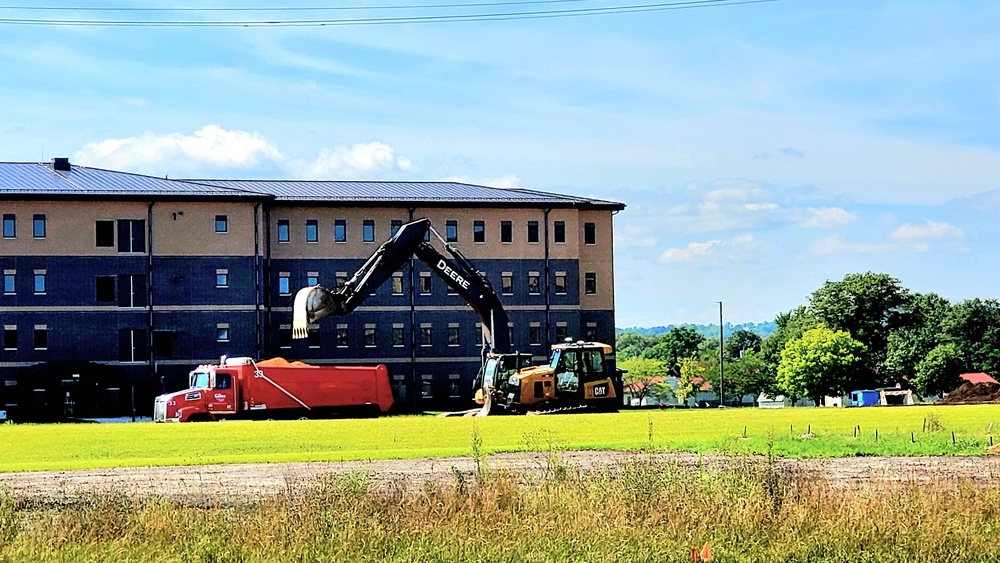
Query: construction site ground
(247, 482)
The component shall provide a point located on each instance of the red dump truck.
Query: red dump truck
(243, 388)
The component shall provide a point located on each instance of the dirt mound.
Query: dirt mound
(280, 362)
(973, 393)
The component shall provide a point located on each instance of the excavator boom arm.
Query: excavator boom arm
(313, 303)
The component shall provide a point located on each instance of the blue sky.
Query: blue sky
(762, 149)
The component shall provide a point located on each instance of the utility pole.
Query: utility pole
(722, 362)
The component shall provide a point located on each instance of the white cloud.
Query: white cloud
(738, 247)
(928, 231)
(827, 217)
(362, 158)
(209, 146)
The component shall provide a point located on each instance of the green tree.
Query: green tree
(909, 344)
(633, 344)
(748, 376)
(972, 326)
(791, 325)
(645, 378)
(938, 372)
(740, 343)
(868, 306)
(678, 343)
(693, 372)
(821, 362)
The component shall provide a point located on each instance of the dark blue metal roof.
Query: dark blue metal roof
(37, 180)
(41, 179)
(406, 192)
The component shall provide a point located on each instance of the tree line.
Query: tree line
(863, 332)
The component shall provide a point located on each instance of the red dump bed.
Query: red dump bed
(317, 387)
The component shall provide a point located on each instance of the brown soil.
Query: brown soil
(973, 393)
(238, 482)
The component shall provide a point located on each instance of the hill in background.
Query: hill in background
(708, 331)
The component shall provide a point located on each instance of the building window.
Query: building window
(312, 278)
(562, 332)
(397, 283)
(590, 283)
(451, 231)
(340, 230)
(454, 385)
(283, 233)
(589, 233)
(285, 336)
(104, 234)
(453, 335)
(398, 335)
(340, 280)
(163, 343)
(312, 230)
(9, 225)
(9, 286)
(222, 333)
(560, 283)
(41, 339)
(426, 335)
(370, 336)
(341, 336)
(425, 283)
(590, 332)
(105, 289)
(533, 232)
(478, 232)
(559, 232)
(506, 232)
(222, 278)
(38, 225)
(132, 345)
(131, 290)
(450, 290)
(507, 283)
(534, 283)
(40, 280)
(10, 337)
(222, 223)
(284, 284)
(312, 337)
(426, 386)
(394, 227)
(510, 333)
(131, 235)
(535, 334)
(368, 230)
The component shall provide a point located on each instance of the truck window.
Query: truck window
(199, 380)
(223, 381)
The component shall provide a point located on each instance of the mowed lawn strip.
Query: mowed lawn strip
(790, 432)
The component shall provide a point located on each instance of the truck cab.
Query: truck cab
(211, 393)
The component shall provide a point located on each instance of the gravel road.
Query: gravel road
(236, 482)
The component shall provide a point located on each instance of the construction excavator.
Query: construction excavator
(577, 377)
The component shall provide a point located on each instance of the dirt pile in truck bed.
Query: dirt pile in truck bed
(970, 393)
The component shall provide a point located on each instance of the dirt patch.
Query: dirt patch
(973, 393)
(236, 482)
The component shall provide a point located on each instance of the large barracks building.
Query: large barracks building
(116, 285)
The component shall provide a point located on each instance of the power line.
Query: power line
(445, 18)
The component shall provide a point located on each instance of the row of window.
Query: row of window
(534, 286)
(131, 233)
(131, 288)
(425, 335)
(369, 234)
(133, 345)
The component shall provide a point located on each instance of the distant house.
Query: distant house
(978, 377)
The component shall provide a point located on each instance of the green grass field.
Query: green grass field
(31, 447)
